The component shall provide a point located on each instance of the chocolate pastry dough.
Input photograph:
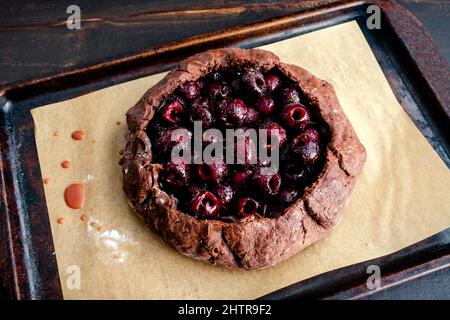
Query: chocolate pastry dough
(256, 241)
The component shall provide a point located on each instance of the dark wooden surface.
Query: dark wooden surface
(435, 16)
(112, 28)
(121, 28)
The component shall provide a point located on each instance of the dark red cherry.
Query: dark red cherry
(232, 112)
(308, 149)
(214, 172)
(265, 105)
(176, 174)
(224, 193)
(240, 178)
(297, 143)
(253, 82)
(288, 195)
(200, 111)
(173, 112)
(273, 82)
(220, 99)
(251, 117)
(310, 153)
(268, 184)
(168, 138)
(175, 97)
(247, 207)
(205, 205)
(190, 89)
(217, 90)
(295, 173)
(295, 116)
(310, 135)
(274, 130)
(290, 95)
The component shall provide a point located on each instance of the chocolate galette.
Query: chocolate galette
(236, 215)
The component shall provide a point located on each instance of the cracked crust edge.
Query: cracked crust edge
(253, 242)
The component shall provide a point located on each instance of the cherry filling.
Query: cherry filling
(247, 207)
(205, 205)
(240, 178)
(177, 173)
(265, 105)
(173, 113)
(245, 98)
(296, 116)
(214, 172)
(190, 89)
(267, 184)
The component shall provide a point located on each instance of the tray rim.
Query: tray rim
(391, 11)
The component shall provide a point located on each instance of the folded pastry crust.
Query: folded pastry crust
(254, 242)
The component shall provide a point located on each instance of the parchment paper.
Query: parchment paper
(402, 196)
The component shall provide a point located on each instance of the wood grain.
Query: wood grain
(40, 43)
(37, 43)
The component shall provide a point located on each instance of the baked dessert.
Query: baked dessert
(233, 214)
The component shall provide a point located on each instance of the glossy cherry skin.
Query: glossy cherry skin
(290, 95)
(273, 82)
(239, 98)
(310, 153)
(212, 172)
(254, 83)
(247, 207)
(268, 184)
(217, 91)
(232, 112)
(274, 130)
(224, 193)
(310, 135)
(173, 112)
(167, 138)
(265, 105)
(176, 174)
(200, 111)
(296, 116)
(190, 89)
(307, 146)
(205, 205)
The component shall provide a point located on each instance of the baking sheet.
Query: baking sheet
(401, 198)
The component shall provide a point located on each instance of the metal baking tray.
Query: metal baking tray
(411, 62)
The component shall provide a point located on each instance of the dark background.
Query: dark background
(116, 28)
